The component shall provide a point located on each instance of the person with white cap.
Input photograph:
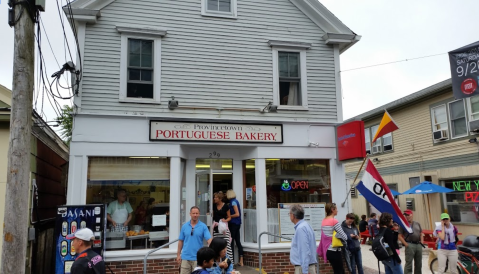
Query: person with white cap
(87, 261)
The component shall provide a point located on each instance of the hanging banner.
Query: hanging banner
(465, 70)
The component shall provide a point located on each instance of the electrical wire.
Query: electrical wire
(382, 64)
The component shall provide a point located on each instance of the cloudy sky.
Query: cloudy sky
(391, 31)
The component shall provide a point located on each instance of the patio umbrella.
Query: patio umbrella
(427, 188)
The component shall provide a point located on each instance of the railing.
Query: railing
(259, 249)
(154, 250)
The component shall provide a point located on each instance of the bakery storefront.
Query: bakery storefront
(166, 167)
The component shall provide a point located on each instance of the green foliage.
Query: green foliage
(66, 122)
(356, 219)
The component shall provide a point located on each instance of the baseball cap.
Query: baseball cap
(407, 211)
(444, 216)
(83, 234)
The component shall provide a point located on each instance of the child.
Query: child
(222, 264)
(205, 259)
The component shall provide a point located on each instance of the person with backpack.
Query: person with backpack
(447, 234)
(384, 246)
(205, 258)
(326, 249)
(353, 243)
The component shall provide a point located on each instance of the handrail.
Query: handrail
(274, 235)
(154, 250)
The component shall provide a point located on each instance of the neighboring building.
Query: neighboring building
(48, 165)
(437, 142)
(257, 95)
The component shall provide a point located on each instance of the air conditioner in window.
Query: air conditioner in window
(375, 150)
(440, 135)
(474, 126)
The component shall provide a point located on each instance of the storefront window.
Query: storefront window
(249, 208)
(463, 203)
(139, 186)
(295, 181)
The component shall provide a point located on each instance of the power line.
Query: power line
(394, 62)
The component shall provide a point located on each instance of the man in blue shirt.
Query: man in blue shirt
(303, 247)
(191, 240)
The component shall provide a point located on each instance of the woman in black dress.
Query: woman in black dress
(221, 212)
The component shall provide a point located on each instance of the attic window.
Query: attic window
(219, 8)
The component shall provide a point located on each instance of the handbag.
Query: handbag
(336, 242)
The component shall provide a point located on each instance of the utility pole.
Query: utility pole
(15, 223)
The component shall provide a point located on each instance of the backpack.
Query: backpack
(200, 271)
(380, 248)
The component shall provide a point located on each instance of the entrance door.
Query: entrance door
(212, 176)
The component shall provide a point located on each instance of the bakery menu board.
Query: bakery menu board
(71, 218)
(314, 213)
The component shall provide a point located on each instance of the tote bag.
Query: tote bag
(336, 242)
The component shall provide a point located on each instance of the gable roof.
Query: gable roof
(336, 32)
(424, 94)
(5, 97)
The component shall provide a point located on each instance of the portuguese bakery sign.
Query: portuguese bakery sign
(215, 132)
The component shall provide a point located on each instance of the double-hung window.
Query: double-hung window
(439, 118)
(474, 108)
(219, 8)
(367, 137)
(140, 64)
(382, 144)
(140, 69)
(289, 79)
(290, 89)
(457, 116)
(376, 148)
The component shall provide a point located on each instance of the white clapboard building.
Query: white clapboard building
(181, 99)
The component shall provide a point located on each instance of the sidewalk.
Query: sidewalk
(370, 263)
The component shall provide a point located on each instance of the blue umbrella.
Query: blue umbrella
(427, 188)
(393, 192)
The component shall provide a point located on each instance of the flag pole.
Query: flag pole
(355, 178)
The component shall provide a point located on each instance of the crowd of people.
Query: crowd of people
(339, 242)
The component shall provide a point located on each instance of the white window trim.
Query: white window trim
(232, 14)
(304, 79)
(433, 125)
(380, 139)
(145, 33)
(449, 121)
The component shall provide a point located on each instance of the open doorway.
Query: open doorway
(212, 175)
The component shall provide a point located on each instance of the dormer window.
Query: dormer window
(219, 8)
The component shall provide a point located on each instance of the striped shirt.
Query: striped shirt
(328, 226)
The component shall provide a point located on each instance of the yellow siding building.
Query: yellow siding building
(436, 141)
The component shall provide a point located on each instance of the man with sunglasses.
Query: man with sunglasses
(191, 240)
(413, 244)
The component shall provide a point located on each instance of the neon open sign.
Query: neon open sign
(287, 185)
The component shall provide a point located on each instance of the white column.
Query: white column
(77, 180)
(175, 199)
(339, 188)
(190, 185)
(261, 197)
(238, 186)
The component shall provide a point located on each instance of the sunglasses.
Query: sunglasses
(406, 214)
(193, 229)
(445, 219)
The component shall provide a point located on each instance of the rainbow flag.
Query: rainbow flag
(386, 126)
